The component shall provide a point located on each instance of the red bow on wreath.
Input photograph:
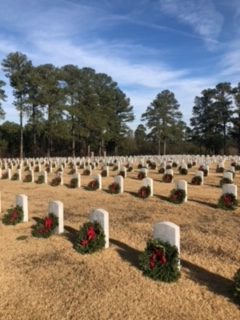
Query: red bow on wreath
(157, 256)
(48, 223)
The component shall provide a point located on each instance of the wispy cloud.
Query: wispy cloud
(201, 15)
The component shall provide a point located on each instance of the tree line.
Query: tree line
(73, 111)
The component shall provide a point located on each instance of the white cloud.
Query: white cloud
(201, 15)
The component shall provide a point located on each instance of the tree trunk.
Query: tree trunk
(21, 134)
(73, 140)
(159, 145)
(34, 130)
(164, 147)
(49, 134)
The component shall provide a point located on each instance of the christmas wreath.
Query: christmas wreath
(161, 170)
(141, 175)
(130, 168)
(196, 181)
(74, 183)
(236, 280)
(5, 175)
(122, 173)
(225, 181)
(93, 185)
(144, 192)
(40, 179)
(177, 196)
(160, 261)
(114, 187)
(28, 178)
(220, 170)
(45, 227)
(167, 177)
(174, 164)
(86, 172)
(13, 216)
(183, 171)
(153, 165)
(228, 201)
(189, 165)
(90, 238)
(104, 173)
(56, 181)
(15, 176)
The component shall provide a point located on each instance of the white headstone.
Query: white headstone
(56, 207)
(200, 174)
(182, 185)
(9, 172)
(120, 181)
(22, 201)
(102, 217)
(148, 182)
(228, 175)
(19, 174)
(60, 174)
(229, 188)
(78, 177)
(167, 232)
(98, 177)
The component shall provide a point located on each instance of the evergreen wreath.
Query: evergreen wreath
(90, 238)
(45, 227)
(189, 165)
(15, 176)
(86, 172)
(183, 171)
(104, 173)
(144, 192)
(13, 216)
(228, 201)
(141, 175)
(177, 196)
(56, 181)
(122, 173)
(160, 261)
(196, 181)
(114, 187)
(174, 165)
(168, 166)
(40, 179)
(140, 166)
(74, 183)
(236, 280)
(153, 165)
(28, 178)
(225, 181)
(130, 168)
(167, 177)
(93, 185)
(219, 169)
(161, 170)
(5, 175)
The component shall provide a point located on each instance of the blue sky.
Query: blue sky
(145, 45)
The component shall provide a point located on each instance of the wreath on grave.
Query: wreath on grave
(90, 238)
(196, 181)
(15, 176)
(167, 177)
(72, 171)
(219, 169)
(141, 175)
(140, 166)
(114, 187)
(40, 179)
(13, 216)
(183, 171)
(144, 192)
(122, 173)
(237, 167)
(205, 171)
(5, 175)
(168, 166)
(177, 196)
(161, 170)
(160, 261)
(153, 165)
(228, 201)
(27, 178)
(236, 280)
(225, 181)
(130, 169)
(74, 183)
(104, 173)
(55, 181)
(86, 172)
(174, 164)
(45, 227)
(93, 185)
(189, 165)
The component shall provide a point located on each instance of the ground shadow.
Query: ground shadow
(212, 185)
(126, 252)
(214, 282)
(135, 194)
(71, 234)
(164, 198)
(37, 219)
(211, 205)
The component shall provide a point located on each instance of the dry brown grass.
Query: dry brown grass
(47, 279)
